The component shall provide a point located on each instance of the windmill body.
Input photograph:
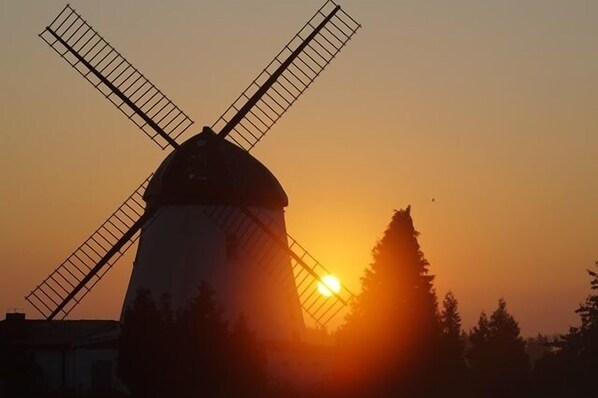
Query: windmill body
(211, 212)
(183, 246)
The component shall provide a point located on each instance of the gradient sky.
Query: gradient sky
(488, 107)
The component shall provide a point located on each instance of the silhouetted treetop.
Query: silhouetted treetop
(452, 368)
(499, 363)
(397, 286)
(571, 370)
(189, 353)
(393, 329)
(248, 369)
(142, 343)
(450, 317)
(583, 339)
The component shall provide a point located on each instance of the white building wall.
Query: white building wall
(183, 246)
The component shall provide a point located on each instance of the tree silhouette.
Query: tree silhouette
(202, 360)
(387, 344)
(582, 341)
(452, 369)
(450, 321)
(141, 348)
(570, 371)
(190, 353)
(537, 347)
(499, 363)
(479, 353)
(247, 367)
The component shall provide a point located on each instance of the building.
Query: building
(66, 356)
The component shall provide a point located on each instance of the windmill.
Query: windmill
(211, 211)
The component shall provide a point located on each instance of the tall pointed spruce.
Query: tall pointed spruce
(451, 324)
(452, 369)
(388, 341)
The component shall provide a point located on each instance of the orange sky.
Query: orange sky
(488, 107)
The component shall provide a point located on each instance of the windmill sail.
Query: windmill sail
(119, 81)
(68, 284)
(250, 117)
(291, 72)
(261, 239)
(245, 122)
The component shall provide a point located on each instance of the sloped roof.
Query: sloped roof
(209, 170)
(65, 333)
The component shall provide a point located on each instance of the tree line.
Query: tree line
(192, 352)
(397, 341)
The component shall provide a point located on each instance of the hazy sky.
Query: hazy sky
(490, 107)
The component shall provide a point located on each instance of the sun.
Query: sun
(329, 285)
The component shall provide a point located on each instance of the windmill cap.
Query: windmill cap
(209, 170)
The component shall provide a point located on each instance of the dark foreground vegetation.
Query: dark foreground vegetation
(192, 353)
(397, 341)
(490, 360)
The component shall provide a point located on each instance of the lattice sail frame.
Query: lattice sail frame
(120, 82)
(80, 265)
(266, 242)
(295, 79)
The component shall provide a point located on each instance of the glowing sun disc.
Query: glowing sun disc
(329, 285)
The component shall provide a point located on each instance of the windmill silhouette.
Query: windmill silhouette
(211, 211)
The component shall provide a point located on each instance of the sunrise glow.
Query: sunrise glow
(329, 285)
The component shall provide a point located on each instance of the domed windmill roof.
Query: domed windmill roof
(209, 170)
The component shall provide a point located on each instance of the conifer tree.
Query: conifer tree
(479, 338)
(246, 370)
(537, 347)
(451, 350)
(571, 369)
(141, 346)
(450, 320)
(201, 355)
(189, 353)
(499, 363)
(391, 335)
(582, 341)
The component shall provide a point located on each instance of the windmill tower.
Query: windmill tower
(183, 246)
(211, 211)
